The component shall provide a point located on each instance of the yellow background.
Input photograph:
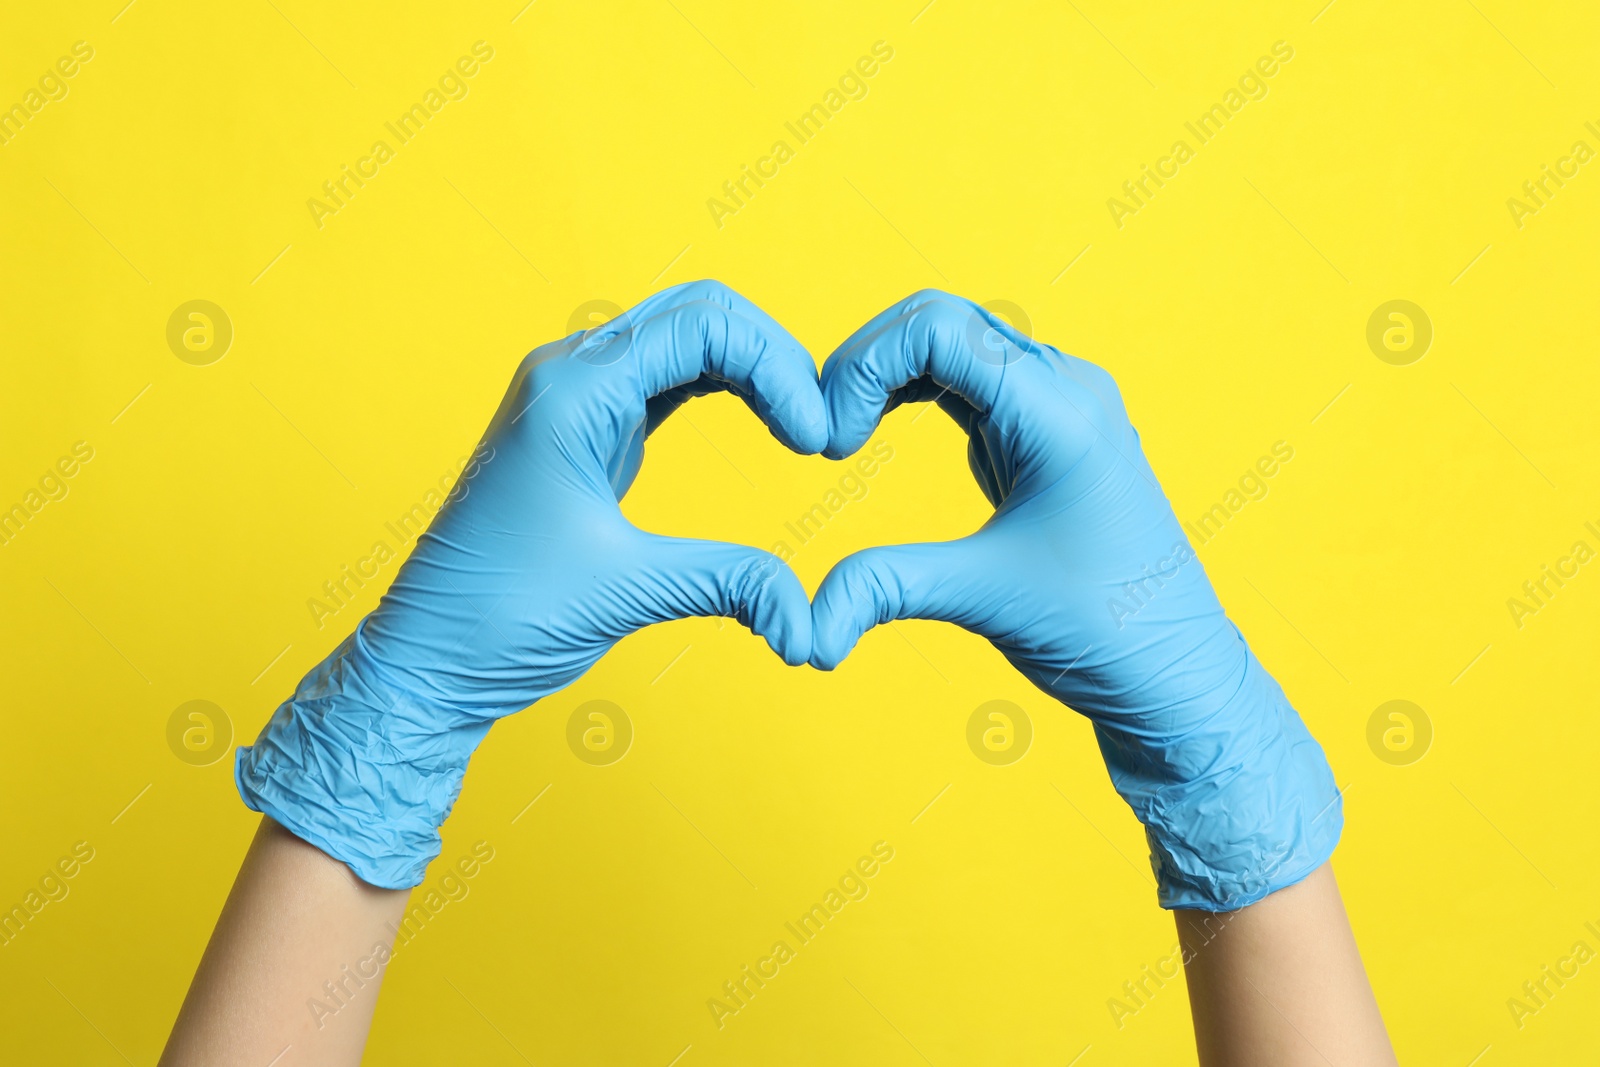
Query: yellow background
(370, 354)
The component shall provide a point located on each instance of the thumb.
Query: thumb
(878, 585)
(682, 577)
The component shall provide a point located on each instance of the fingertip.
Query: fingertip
(780, 612)
(808, 422)
(826, 659)
(831, 644)
(788, 396)
(838, 451)
(846, 434)
(790, 652)
(799, 436)
(834, 630)
(853, 401)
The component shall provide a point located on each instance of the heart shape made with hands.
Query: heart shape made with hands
(1032, 579)
(530, 572)
(1078, 576)
(1082, 578)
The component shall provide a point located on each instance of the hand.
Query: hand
(529, 574)
(1084, 580)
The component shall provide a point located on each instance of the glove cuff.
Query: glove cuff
(359, 768)
(1262, 813)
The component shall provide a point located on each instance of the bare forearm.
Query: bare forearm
(1280, 983)
(295, 920)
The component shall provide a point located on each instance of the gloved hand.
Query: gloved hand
(528, 575)
(1084, 580)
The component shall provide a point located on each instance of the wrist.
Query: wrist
(361, 769)
(1243, 805)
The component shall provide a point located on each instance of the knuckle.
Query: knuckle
(947, 317)
(1103, 386)
(866, 582)
(538, 362)
(694, 319)
(1101, 378)
(752, 575)
(709, 289)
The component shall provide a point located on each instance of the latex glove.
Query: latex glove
(528, 575)
(1085, 581)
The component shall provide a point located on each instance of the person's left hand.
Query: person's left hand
(1085, 581)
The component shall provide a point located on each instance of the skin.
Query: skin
(294, 920)
(1277, 984)
(1280, 983)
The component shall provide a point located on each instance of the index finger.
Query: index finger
(705, 331)
(959, 345)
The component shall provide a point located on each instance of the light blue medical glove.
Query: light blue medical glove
(1084, 580)
(528, 575)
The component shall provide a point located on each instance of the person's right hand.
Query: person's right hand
(529, 574)
(1085, 581)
